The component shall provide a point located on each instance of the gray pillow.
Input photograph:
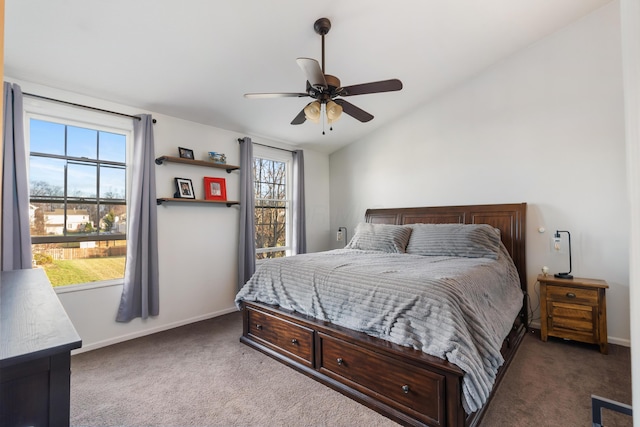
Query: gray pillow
(380, 237)
(458, 240)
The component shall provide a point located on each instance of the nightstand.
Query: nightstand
(575, 309)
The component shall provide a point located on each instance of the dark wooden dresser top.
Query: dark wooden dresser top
(33, 323)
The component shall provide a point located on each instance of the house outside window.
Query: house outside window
(78, 194)
(272, 184)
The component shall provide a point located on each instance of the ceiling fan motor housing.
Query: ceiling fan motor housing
(332, 81)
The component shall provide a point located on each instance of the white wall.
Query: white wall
(630, 16)
(545, 126)
(197, 243)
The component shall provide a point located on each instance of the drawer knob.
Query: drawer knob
(405, 389)
(340, 361)
(571, 295)
(294, 341)
(258, 326)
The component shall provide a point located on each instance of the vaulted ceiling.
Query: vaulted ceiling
(194, 59)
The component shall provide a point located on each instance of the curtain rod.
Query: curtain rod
(268, 146)
(82, 106)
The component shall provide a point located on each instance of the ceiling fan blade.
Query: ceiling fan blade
(373, 87)
(299, 119)
(274, 95)
(353, 111)
(314, 73)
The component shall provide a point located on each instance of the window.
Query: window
(78, 196)
(271, 172)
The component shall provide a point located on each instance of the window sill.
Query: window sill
(87, 286)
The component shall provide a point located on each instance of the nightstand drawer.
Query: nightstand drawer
(285, 337)
(572, 295)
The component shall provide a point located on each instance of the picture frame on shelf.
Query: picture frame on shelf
(185, 153)
(184, 189)
(215, 188)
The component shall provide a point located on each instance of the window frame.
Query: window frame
(80, 117)
(286, 157)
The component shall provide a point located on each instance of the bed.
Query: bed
(407, 376)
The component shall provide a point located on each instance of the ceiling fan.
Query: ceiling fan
(325, 89)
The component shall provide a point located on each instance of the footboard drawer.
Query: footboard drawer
(401, 385)
(288, 338)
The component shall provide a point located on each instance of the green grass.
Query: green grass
(71, 272)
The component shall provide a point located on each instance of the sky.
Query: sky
(71, 141)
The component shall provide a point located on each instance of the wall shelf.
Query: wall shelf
(160, 160)
(229, 203)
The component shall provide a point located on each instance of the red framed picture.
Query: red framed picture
(215, 189)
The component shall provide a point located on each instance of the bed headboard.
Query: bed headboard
(510, 219)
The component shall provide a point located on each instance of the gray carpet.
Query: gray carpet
(201, 375)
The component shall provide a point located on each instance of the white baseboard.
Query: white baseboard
(612, 340)
(619, 341)
(127, 337)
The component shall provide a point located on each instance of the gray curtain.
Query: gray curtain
(246, 246)
(299, 221)
(16, 237)
(140, 294)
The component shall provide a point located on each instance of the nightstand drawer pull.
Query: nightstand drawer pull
(571, 295)
(294, 341)
(259, 326)
(340, 361)
(405, 389)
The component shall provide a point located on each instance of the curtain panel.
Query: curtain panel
(299, 216)
(247, 243)
(16, 235)
(140, 294)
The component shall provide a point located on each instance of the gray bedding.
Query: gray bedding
(458, 309)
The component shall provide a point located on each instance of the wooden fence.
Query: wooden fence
(81, 253)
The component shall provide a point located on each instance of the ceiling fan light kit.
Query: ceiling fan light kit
(334, 111)
(312, 111)
(326, 89)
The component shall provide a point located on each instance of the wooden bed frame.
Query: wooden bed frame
(402, 383)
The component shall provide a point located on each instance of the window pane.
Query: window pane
(81, 218)
(43, 220)
(46, 177)
(112, 183)
(270, 179)
(271, 224)
(81, 180)
(46, 137)
(113, 218)
(82, 142)
(81, 262)
(112, 147)
(48, 219)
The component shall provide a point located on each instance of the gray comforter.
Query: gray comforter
(458, 309)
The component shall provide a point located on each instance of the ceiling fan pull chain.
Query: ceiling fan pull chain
(324, 113)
